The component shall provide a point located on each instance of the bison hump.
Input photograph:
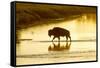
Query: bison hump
(59, 29)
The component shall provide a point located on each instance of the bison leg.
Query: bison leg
(53, 38)
(66, 39)
(58, 39)
(70, 39)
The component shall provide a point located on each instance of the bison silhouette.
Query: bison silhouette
(59, 47)
(58, 32)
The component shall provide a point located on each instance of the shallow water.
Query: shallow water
(39, 53)
(35, 46)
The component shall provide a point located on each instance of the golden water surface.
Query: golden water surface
(34, 43)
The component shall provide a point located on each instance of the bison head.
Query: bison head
(50, 33)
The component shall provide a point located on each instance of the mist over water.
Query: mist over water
(34, 43)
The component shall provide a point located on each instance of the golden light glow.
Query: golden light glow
(34, 46)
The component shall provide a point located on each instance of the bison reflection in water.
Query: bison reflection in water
(59, 47)
(56, 32)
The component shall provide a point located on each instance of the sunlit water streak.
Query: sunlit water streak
(30, 49)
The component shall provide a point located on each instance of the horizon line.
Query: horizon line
(60, 41)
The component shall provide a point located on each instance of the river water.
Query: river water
(35, 46)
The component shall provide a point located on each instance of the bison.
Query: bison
(57, 32)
